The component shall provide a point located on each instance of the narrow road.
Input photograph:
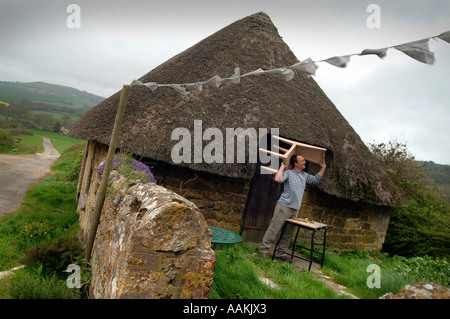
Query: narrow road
(18, 172)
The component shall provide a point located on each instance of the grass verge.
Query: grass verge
(352, 270)
(240, 273)
(47, 214)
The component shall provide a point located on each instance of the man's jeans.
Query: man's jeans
(280, 214)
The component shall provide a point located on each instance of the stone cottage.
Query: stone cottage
(355, 196)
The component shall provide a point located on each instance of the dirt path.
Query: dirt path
(18, 172)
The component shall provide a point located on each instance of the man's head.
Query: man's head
(297, 162)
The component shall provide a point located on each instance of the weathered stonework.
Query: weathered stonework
(150, 243)
(420, 290)
(220, 199)
(351, 225)
(222, 202)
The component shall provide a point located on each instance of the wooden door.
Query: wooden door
(262, 198)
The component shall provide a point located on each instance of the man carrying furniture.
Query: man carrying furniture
(289, 202)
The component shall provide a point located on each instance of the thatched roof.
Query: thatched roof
(299, 108)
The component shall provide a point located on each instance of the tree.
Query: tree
(421, 227)
(45, 120)
(65, 120)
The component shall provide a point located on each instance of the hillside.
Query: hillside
(440, 174)
(45, 96)
(42, 106)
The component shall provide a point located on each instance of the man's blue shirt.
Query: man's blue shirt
(294, 187)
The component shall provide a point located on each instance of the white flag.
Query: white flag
(445, 36)
(307, 66)
(380, 52)
(287, 74)
(339, 61)
(417, 50)
(214, 82)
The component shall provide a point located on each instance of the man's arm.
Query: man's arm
(322, 169)
(314, 179)
(279, 175)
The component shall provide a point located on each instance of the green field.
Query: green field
(51, 94)
(30, 144)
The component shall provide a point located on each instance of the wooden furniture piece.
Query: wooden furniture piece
(311, 153)
(309, 225)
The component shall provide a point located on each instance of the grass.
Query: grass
(60, 142)
(47, 214)
(238, 271)
(31, 143)
(239, 268)
(351, 270)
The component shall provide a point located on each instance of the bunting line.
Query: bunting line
(418, 50)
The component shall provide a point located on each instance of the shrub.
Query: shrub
(5, 138)
(130, 168)
(424, 269)
(421, 227)
(55, 257)
(19, 131)
(68, 166)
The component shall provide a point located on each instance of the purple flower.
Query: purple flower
(135, 165)
(139, 166)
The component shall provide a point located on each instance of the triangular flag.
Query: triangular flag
(445, 36)
(380, 52)
(417, 50)
(256, 72)
(194, 86)
(287, 74)
(235, 78)
(179, 89)
(339, 61)
(136, 83)
(307, 66)
(214, 82)
(151, 85)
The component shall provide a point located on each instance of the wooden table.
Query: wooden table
(306, 224)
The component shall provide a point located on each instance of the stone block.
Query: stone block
(151, 244)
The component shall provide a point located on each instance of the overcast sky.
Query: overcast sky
(394, 99)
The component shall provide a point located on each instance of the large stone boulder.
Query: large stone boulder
(421, 290)
(151, 243)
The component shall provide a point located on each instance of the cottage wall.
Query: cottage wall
(351, 225)
(222, 202)
(220, 199)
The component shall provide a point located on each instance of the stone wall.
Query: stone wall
(150, 243)
(220, 199)
(351, 225)
(222, 202)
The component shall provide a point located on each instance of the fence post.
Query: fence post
(105, 175)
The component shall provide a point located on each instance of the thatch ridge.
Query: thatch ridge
(299, 108)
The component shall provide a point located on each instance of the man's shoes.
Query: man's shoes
(267, 255)
(284, 258)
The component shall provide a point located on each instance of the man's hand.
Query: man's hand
(279, 174)
(323, 166)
